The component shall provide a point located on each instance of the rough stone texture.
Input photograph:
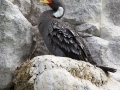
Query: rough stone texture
(31, 9)
(15, 41)
(88, 29)
(81, 11)
(24, 6)
(97, 21)
(58, 73)
(111, 10)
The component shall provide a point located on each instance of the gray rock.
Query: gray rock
(80, 11)
(31, 9)
(104, 46)
(15, 41)
(111, 10)
(24, 6)
(88, 29)
(60, 73)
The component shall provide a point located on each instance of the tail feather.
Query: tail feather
(107, 69)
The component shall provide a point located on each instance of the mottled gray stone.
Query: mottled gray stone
(15, 41)
(112, 11)
(31, 9)
(88, 29)
(81, 11)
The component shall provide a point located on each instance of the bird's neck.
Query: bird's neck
(59, 12)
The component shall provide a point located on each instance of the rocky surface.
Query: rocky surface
(97, 21)
(59, 73)
(15, 41)
(86, 11)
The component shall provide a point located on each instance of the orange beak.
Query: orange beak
(44, 1)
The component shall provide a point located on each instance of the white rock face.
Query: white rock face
(15, 41)
(60, 73)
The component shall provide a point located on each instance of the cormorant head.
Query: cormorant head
(56, 5)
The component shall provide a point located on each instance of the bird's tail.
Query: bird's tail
(107, 69)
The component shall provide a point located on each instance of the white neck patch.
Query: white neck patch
(59, 12)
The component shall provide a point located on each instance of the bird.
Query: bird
(60, 39)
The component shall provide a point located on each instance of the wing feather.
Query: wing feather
(66, 41)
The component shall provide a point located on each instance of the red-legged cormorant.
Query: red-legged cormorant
(59, 38)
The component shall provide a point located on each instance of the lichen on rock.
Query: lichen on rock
(60, 73)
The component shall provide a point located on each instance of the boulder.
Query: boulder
(111, 12)
(60, 73)
(31, 9)
(15, 41)
(81, 11)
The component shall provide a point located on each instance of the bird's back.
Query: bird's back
(61, 38)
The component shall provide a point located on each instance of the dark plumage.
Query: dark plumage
(59, 37)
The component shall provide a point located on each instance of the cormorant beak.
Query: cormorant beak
(44, 1)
